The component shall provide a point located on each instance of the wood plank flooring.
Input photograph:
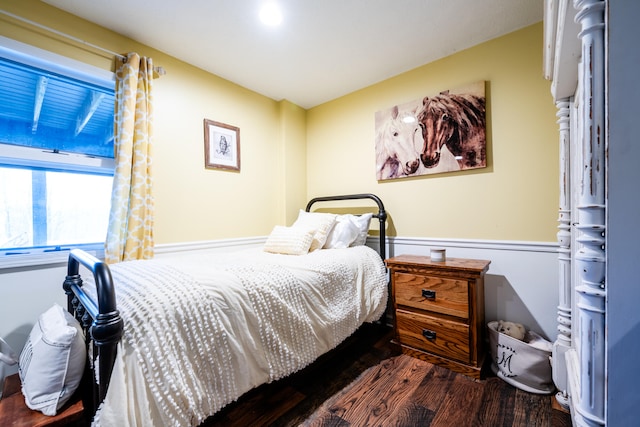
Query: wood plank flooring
(366, 383)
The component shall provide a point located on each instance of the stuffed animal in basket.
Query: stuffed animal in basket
(515, 330)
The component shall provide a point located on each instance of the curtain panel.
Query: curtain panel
(130, 230)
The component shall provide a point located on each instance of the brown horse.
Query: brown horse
(457, 121)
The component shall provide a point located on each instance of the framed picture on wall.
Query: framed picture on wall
(436, 133)
(221, 146)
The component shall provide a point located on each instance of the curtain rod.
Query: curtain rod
(158, 69)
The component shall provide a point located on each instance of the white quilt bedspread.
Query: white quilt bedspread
(202, 330)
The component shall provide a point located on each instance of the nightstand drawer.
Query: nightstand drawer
(438, 336)
(436, 294)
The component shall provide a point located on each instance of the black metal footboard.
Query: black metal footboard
(101, 323)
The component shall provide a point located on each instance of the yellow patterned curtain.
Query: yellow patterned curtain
(130, 232)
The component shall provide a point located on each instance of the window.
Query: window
(56, 152)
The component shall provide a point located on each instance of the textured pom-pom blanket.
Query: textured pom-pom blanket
(200, 331)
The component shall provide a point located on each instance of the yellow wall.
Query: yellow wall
(294, 159)
(289, 154)
(193, 203)
(514, 198)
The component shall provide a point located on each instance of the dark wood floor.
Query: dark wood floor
(366, 383)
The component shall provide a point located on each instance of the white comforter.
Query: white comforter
(202, 330)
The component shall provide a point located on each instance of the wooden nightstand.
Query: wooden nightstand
(439, 310)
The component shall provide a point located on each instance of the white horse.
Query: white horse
(399, 142)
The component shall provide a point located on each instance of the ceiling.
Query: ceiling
(322, 50)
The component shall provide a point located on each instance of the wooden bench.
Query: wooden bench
(14, 412)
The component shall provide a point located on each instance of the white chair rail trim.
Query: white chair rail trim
(49, 259)
(507, 245)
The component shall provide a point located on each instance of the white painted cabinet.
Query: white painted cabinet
(592, 58)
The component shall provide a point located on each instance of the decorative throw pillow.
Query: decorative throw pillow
(343, 233)
(362, 222)
(289, 240)
(320, 222)
(52, 361)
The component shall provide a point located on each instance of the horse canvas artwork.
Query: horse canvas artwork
(435, 134)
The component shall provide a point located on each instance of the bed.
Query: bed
(174, 340)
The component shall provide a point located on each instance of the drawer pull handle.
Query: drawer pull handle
(429, 334)
(429, 294)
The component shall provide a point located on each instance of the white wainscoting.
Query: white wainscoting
(30, 285)
(521, 284)
(214, 246)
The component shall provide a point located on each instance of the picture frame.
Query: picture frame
(221, 146)
(438, 133)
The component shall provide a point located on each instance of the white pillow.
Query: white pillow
(289, 240)
(322, 223)
(343, 233)
(52, 361)
(362, 222)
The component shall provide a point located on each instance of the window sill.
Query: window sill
(46, 259)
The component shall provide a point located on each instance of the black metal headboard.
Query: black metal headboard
(381, 215)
